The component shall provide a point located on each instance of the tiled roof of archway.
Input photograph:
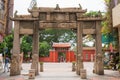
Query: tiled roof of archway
(61, 45)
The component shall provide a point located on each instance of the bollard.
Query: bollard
(83, 74)
(32, 74)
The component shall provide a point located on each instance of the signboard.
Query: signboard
(116, 16)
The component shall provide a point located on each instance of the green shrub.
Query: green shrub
(41, 63)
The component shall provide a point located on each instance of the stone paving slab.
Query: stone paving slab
(61, 71)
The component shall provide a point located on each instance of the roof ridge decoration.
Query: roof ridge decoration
(33, 4)
(80, 6)
(57, 7)
(15, 14)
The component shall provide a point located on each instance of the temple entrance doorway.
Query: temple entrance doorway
(61, 57)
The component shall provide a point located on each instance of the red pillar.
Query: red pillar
(72, 56)
(68, 56)
(52, 55)
(56, 56)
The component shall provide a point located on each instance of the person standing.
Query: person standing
(7, 60)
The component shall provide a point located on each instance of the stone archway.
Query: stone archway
(45, 17)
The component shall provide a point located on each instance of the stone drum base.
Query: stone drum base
(32, 74)
(83, 74)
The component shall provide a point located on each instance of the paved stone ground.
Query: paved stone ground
(61, 71)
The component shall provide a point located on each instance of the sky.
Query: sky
(91, 5)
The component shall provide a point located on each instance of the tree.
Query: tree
(57, 35)
(107, 29)
(44, 48)
(7, 44)
(26, 45)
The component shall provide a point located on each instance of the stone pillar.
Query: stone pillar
(35, 50)
(15, 59)
(77, 52)
(79, 47)
(99, 67)
(119, 39)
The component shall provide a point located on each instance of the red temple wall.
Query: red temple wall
(53, 56)
(88, 55)
(70, 56)
(44, 59)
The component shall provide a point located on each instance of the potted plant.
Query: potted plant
(119, 67)
(73, 66)
(41, 66)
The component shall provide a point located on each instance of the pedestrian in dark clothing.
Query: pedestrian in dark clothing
(7, 60)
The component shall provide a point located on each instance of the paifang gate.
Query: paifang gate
(66, 18)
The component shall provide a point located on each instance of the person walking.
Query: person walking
(7, 60)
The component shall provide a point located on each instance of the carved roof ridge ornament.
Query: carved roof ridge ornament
(33, 4)
(99, 14)
(15, 14)
(57, 7)
(80, 6)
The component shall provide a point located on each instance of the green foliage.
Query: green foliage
(26, 45)
(73, 62)
(57, 35)
(44, 48)
(107, 23)
(107, 28)
(119, 64)
(107, 2)
(7, 43)
(41, 63)
(92, 14)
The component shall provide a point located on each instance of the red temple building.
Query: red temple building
(61, 53)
